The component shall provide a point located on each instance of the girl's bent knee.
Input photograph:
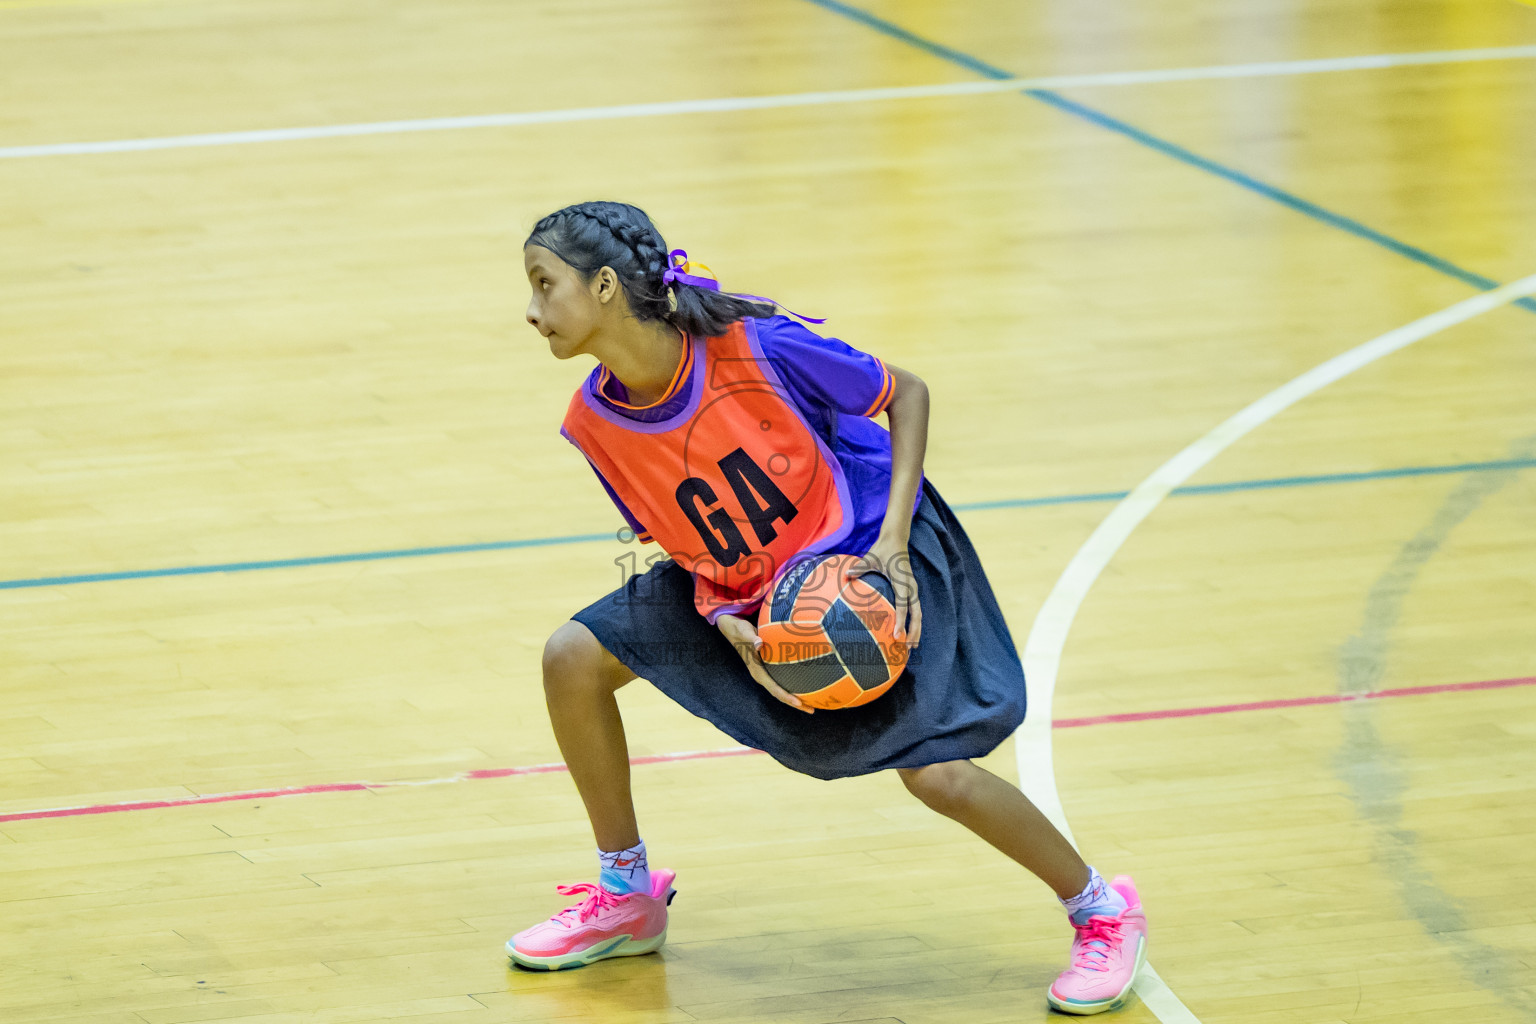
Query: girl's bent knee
(575, 660)
(943, 787)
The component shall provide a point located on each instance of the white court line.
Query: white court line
(800, 99)
(1048, 635)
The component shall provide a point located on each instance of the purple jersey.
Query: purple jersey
(837, 389)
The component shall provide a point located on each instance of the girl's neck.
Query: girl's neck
(644, 356)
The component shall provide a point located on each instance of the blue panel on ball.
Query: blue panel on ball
(881, 583)
(788, 588)
(809, 675)
(856, 645)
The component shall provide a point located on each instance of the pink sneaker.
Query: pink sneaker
(1106, 955)
(600, 926)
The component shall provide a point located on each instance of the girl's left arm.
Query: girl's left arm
(908, 417)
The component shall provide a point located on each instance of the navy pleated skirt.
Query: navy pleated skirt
(961, 695)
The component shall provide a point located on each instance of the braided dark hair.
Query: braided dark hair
(590, 236)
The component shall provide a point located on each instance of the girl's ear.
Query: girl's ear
(605, 284)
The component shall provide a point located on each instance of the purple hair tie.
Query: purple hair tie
(677, 272)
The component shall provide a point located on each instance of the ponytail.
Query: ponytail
(590, 236)
(706, 313)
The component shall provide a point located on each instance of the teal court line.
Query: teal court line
(1191, 490)
(1177, 152)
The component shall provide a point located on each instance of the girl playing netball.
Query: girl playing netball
(738, 440)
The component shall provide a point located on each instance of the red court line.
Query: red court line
(353, 787)
(697, 755)
(1292, 702)
(540, 769)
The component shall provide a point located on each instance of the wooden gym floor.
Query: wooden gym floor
(269, 352)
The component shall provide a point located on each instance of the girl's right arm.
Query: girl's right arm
(743, 636)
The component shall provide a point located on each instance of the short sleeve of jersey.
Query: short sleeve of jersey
(828, 371)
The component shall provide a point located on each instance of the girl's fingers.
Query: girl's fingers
(747, 648)
(778, 692)
(785, 697)
(912, 618)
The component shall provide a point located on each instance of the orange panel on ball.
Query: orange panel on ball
(844, 693)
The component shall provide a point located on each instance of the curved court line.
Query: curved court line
(1376, 772)
(1226, 487)
(1364, 62)
(1048, 635)
(554, 767)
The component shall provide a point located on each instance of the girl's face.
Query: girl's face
(564, 309)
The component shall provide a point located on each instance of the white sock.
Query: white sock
(1096, 900)
(625, 870)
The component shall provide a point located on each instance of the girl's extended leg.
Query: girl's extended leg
(1111, 928)
(580, 680)
(1003, 816)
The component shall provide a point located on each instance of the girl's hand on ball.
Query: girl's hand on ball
(744, 638)
(889, 558)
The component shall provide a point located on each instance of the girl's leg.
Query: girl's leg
(1111, 928)
(997, 812)
(580, 680)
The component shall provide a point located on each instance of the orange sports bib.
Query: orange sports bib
(733, 486)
